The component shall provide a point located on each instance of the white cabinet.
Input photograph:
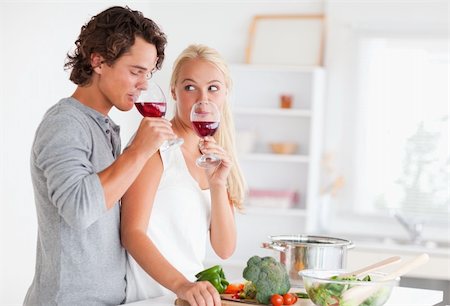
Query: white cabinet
(274, 179)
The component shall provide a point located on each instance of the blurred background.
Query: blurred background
(341, 110)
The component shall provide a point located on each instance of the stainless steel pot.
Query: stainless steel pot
(298, 252)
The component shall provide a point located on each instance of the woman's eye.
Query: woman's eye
(134, 72)
(189, 87)
(213, 88)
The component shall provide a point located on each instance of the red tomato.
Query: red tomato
(288, 299)
(295, 297)
(276, 300)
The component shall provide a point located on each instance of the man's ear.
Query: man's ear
(96, 62)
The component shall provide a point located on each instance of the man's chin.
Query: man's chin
(126, 107)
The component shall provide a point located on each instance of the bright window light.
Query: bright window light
(402, 147)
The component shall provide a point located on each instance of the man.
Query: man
(77, 170)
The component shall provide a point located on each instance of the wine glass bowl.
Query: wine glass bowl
(151, 109)
(205, 119)
(152, 103)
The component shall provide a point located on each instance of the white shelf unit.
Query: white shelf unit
(256, 109)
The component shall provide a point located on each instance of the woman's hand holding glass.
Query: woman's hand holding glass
(219, 174)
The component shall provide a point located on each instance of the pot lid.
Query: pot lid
(309, 240)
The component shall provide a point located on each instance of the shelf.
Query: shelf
(293, 212)
(272, 112)
(269, 157)
(256, 101)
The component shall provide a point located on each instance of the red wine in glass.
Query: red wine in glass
(205, 119)
(152, 103)
(205, 128)
(151, 109)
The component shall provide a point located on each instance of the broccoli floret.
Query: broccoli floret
(269, 277)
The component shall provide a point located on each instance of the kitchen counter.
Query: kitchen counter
(400, 296)
(368, 251)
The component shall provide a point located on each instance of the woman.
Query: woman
(174, 206)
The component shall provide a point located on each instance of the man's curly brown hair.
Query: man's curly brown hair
(111, 33)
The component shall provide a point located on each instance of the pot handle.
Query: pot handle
(272, 246)
(350, 246)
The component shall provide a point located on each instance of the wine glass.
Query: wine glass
(152, 103)
(205, 118)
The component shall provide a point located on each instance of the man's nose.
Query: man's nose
(142, 84)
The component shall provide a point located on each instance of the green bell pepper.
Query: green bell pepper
(213, 269)
(215, 276)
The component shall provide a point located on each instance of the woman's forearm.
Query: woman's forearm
(147, 255)
(223, 225)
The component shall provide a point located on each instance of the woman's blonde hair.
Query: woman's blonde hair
(225, 134)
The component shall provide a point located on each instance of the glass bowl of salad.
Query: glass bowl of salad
(327, 288)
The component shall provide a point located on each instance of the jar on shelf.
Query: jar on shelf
(286, 101)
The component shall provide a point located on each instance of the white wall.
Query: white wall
(34, 38)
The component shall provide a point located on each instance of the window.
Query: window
(401, 144)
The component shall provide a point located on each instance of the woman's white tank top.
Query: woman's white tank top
(178, 226)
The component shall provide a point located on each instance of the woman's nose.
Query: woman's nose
(203, 96)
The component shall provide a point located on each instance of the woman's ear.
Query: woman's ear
(96, 62)
(174, 95)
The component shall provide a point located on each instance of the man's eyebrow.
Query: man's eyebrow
(138, 67)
